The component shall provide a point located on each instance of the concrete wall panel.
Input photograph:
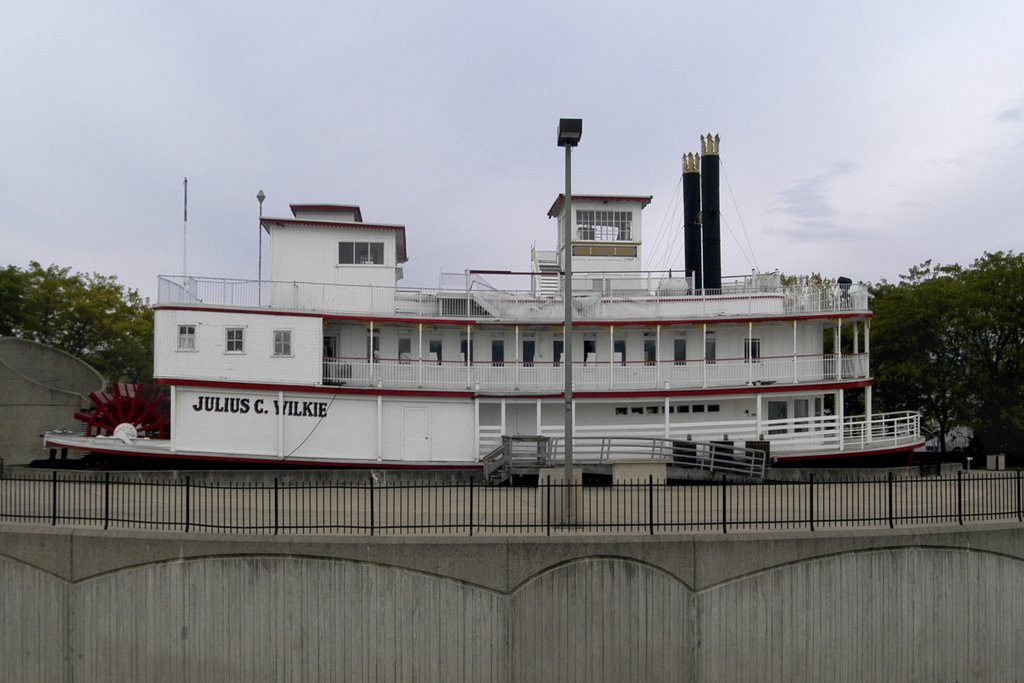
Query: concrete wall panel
(284, 619)
(33, 624)
(602, 619)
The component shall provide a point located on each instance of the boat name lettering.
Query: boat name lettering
(242, 406)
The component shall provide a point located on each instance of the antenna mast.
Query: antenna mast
(184, 248)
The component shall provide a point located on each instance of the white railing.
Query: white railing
(660, 301)
(590, 376)
(791, 437)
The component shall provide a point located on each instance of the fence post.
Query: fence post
(372, 517)
(650, 503)
(547, 506)
(188, 505)
(1018, 497)
(277, 505)
(810, 506)
(471, 507)
(1019, 518)
(890, 478)
(960, 496)
(106, 500)
(725, 488)
(53, 516)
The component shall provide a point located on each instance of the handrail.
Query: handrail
(709, 456)
(659, 301)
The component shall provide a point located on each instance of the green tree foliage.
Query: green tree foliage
(949, 341)
(90, 316)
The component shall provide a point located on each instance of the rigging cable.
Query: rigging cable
(740, 217)
(663, 230)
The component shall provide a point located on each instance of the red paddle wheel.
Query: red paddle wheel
(142, 406)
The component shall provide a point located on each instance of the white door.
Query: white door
(417, 433)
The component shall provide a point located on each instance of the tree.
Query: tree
(992, 323)
(90, 316)
(949, 342)
(915, 347)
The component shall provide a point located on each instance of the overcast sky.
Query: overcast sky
(858, 139)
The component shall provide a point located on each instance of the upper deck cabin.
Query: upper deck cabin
(326, 259)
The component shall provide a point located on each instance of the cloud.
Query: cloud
(1014, 114)
(809, 207)
(810, 199)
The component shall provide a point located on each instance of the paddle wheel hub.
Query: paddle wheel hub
(141, 406)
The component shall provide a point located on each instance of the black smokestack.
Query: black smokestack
(711, 217)
(691, 210)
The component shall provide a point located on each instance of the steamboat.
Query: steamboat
(331, 362)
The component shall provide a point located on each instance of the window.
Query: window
(650, 349)
(235, 340)
(361, 253)
(622, 411)
(435, 350)
(372, 346)
(778, 410)
(653, 410)
(282, 342)
(589, 350)
(404, 350)
(557, 348)
(529, 351)
(801, 407)
(604, 226)
(679, 351)
(497, 352)
(698, 408)
(752, 349)
(186, 337)
(619, 351)
(709, 348)
(467, 349)
(713, 408)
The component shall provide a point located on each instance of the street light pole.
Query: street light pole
(259, 267)
(569, 133)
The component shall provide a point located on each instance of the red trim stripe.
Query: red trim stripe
(433, 393)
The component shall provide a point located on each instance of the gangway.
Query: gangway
(527, 454)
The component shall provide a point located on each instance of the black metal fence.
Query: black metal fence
(638, 507)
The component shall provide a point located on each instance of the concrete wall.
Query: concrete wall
(941, 605)
(40, 390)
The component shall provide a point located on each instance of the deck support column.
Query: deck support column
(540, 425)
(758, 427)
(664, 410)
(173, 403)
(657, 360)
(839, 348)
(380, 427)
(476, 426)
(419, 353)
(517, 359)
(867, 410)
(841, 418)
(867, 347)
(704, 356)
(502, 418)
(611, 356)
(469, 356)
(750, 353)
(795, 375)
